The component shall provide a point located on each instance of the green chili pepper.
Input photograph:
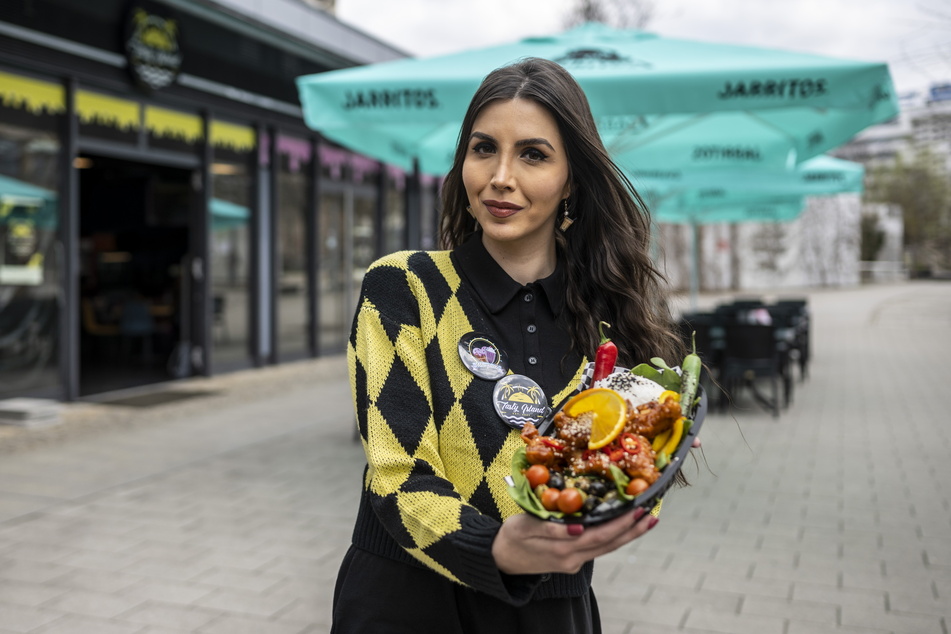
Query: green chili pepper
(690, 379)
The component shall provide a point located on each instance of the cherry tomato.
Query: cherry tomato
(570, 501)
(537, 474)
(550, 499)
(636, 486)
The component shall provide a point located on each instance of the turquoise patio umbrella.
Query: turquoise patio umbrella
(699, 189)
(700, 197)
(659, 102)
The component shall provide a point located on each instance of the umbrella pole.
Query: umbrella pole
(694, 263)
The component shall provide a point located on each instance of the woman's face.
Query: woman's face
(516, 174)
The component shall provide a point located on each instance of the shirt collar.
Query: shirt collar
(494, 285)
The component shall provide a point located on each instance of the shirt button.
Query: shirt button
(532, 360)
(528, 297)
(531, 328)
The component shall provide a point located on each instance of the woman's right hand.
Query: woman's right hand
(528, 545)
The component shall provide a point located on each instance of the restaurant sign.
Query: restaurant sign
(152, 43)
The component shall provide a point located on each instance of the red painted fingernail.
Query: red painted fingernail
(575, 529)
(652, 522)
(638, 514)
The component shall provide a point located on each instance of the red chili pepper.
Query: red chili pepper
(606, 355)
(614, 452)
(628, 442)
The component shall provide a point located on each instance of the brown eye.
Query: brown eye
(535, 155)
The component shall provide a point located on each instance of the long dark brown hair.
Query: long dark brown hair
(610, 274)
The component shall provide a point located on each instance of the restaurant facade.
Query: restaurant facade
(164, 211)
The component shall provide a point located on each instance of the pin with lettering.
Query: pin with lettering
(483, 358)
(520, 400)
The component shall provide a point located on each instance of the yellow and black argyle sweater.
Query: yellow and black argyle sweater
(437, 452)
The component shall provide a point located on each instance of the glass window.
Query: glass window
(394, 219)
(293, 323)
(231, 187)
(429, 212)
(29, 262)
(333, 288)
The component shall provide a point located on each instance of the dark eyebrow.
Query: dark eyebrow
(522, 143)
(535, 141)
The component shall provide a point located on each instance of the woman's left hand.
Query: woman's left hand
(528, 545)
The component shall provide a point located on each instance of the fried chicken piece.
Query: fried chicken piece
(640, 464)
(574, 431)
(653, 418)
(539, 449)
(590, 463)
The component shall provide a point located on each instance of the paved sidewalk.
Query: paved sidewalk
(230, 513)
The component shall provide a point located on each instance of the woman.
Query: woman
(545, 239)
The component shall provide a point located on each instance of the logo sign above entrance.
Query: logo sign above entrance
(152, 43)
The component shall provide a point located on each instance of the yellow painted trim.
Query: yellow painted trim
(33, 95)
(170, 123)
(239, 138)
(96, 108)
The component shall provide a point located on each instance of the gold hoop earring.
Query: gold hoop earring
(565, 219)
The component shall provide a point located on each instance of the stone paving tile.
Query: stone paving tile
(726, 623)
(810, 627)
(169, 616)
(894, 621)
(95, 580)
(245, 603)
(747, 586)
(84, 625)
(247, 625)
(175, 592)
(93, 604)
(28, 594)
(822, 613)
(871, 600)
(18, 618)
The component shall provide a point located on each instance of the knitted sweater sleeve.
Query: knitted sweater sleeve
(407, 483)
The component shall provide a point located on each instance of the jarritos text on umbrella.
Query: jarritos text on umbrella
(419, 98)
(782, 88)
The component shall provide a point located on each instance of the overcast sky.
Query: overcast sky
(912, 36)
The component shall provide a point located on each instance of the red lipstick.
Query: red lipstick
(501, 209)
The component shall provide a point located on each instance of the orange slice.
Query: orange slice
(610, 413)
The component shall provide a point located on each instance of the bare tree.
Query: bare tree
(624, 14)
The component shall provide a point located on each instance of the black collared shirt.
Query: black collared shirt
(523, 319)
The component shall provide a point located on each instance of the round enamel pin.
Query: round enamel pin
(483, 358)
(520, 400)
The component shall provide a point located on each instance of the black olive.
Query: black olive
(556, 480)
(589, 503)
(598, 488)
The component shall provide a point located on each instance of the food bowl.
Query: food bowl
(522, 493)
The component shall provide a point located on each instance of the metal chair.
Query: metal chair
(751, 354)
